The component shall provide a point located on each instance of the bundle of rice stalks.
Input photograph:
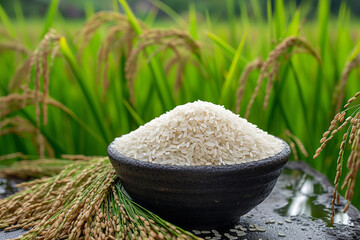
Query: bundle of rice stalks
(270, 67)
(30, 169)
(41, 60)
(118, 40)
(84, 201)
(179, 42)
(351, 137)
(23, 127)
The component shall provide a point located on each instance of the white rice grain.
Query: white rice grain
(198, 133)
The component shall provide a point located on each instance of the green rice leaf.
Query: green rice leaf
(150, 17)
(280, 18)
(192, 21)
(231, 77)
(257, 10)
(355, 52)
(89, 9)
(270, 19)
(92, 103)
(244, 14)
(170, 12)
(208, 19)
(293, 28)
(323, 19)
(227, 49)
(231, 20)
(6, 21)
(139, 121)
(132, 19)
(51, 13)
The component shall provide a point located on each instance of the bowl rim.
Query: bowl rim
(270, 162)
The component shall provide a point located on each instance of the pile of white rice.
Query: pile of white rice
(198, 133)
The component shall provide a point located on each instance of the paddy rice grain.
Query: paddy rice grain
(198, 133)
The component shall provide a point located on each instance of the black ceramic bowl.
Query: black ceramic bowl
(199, 196)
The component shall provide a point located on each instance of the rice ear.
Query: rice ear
(174, 40)
(117, 37)
(351, 137)
(297, 142)
(35, 168)
(15, 102)
(22, 127)
(120, 33)
(77, 157)
(250, 67)
(13, 156)
(16, 47)
(273, 59)
(339, 92)
(20, 74)
(99, 20)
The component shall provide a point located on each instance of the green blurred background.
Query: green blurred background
(76, 9)
(228, 35)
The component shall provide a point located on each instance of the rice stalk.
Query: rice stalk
(172, 39)
(294, 150)
(13, 156)
(16, 47)
(78, 157)
(22, 127)
(21, 73)
(40, 61)
(270, 83)
(84, 201)
(15, 102)
(5, 33)
(295, 143)
(30, 169)
(339, 93)
(117, 38)
(98, 20)
(252, 66)
(351, 137)
(179, 76)
(270, 66)
(117, 23)
(119, 34)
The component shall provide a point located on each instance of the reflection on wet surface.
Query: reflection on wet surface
(298, 208)
(303, 200)
(7, 187)
(305, 191)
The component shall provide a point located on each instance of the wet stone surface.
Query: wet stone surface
(297, 208)
(8, 187)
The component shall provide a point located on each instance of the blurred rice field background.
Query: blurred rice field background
(71, 85)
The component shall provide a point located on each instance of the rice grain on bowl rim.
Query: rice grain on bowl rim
(198, 133)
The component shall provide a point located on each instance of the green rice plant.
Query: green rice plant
(84, 199)
(6, 21)
(170, 12)
(50, 16)
(230, 80)
(232, 21)
(350, 137)
(273, 63)
(113, 74)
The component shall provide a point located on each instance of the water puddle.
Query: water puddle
(7, 187)
(305, 199)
